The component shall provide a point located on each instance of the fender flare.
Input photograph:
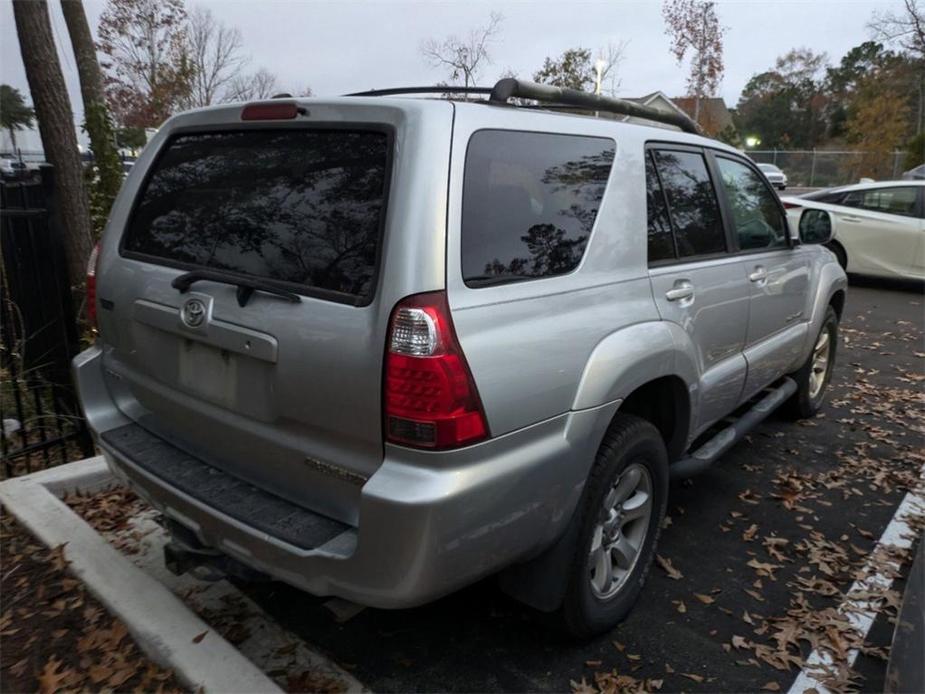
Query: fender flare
(631, 357)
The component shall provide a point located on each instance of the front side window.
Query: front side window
(759, 223)
(303, 207)
(694, 210)
(529, 203)
(897, 200)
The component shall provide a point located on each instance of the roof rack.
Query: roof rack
(423, 90)
(513, 88)
(551, 97)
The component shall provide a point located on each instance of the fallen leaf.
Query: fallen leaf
(696, 678)
(771, 687)
(749, 534)
(199, 637)
(51, 678)
(666, 565)
(705, 599)
(593, 663)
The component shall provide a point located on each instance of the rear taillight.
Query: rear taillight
(430, 399)
(91, 285)
(790, 205)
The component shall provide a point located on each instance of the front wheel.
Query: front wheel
(621, 515)
(814, 376)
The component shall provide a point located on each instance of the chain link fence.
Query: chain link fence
(825, 168)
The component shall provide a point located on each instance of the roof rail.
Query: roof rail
(424, 90)
(514, 88)
(551, 97)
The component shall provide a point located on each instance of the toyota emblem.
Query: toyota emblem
(193, 313)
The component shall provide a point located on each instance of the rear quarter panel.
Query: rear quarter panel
(529, 343)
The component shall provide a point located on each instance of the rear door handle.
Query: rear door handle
(758, 275)
(681, 290)
(850, 218)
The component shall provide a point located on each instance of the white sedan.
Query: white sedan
(775, 176)
(879, 228)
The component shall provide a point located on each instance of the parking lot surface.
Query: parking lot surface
(762, 548)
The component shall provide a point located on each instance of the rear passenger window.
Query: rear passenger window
(529, 203)
(661, 242)
(759, 223)
(692, 203)
(899, 201)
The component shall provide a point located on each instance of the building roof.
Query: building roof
(714, 115)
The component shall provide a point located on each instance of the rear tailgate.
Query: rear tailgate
(342, 207)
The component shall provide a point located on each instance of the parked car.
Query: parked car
(905, 671)
(380, 348)
(916, 174)
(879, 227)
(775, 176)
(13, 168)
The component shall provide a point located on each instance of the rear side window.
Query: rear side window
(300, 207)
(692, 203)
(661, 242)
(529, 203)
(899, 201)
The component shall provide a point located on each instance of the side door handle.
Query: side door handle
(850, 218)
(682, 289)
(759, 274)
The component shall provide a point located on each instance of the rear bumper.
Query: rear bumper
(429, 522)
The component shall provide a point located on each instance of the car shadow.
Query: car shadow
(911, 286)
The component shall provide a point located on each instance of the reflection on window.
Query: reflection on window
(661, 243)
(529, 203)
(899, 201)
(298, 206)
(758, 220)
(692, 202)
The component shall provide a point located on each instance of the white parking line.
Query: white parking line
(861, 611)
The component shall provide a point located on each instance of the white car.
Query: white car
(775, 176)
(879, 228)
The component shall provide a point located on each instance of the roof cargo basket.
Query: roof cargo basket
(551, 97)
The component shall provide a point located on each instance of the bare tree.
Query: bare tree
(464, 57)
(694, 28)
(905, 28)
(257, 85)
(97, 121)
(56, 126)
(215, 52)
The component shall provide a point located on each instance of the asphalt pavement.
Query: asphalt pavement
(766, 543)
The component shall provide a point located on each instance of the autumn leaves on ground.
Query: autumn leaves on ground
(55, 636)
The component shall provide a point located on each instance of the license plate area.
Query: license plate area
(208, 373)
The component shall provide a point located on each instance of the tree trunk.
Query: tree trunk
(96, 115)
(56, 126)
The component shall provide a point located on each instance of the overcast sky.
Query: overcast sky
(338, 47)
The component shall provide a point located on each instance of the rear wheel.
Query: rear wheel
(623, 507)
(814, 376)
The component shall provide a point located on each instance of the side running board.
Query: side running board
(701, 459)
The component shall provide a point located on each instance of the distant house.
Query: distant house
(656, 100)
(715, 117)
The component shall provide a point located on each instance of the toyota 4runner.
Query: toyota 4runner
(379, 347)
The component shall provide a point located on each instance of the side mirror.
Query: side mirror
(815, 226)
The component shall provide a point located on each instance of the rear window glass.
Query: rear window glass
(529, 203)
(692, 203)
(301, 207)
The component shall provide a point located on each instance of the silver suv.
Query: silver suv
(379, 347)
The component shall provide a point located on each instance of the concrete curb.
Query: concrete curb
(161, 624)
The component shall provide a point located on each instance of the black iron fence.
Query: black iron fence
(41, 420)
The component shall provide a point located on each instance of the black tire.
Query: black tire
(804, 404)
(840, 254)
(630, 440)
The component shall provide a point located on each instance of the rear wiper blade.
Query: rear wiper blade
(246, 285)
